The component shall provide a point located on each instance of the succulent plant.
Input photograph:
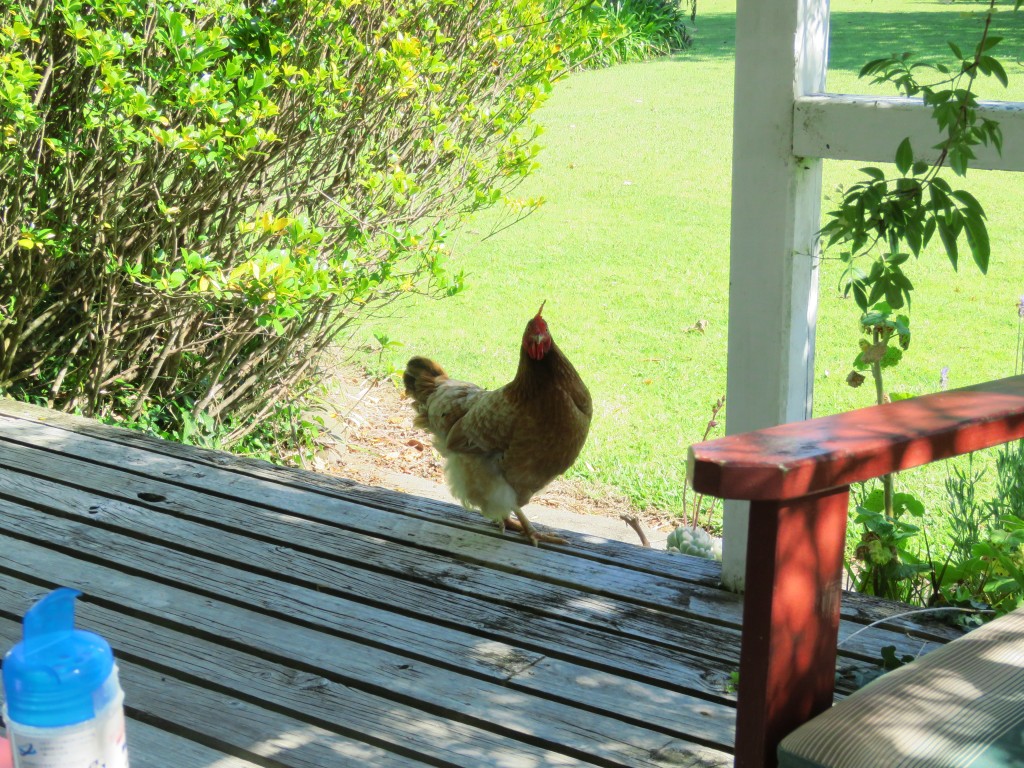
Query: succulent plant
(694, 541)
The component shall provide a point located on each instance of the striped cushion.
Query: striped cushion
(961, 705)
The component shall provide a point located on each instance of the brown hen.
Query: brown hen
(502, 446)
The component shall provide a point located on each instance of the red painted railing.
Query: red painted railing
(797, 477)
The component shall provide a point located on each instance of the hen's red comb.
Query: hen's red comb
(541, 307)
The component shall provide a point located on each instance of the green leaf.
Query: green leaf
(977, 239)
(948, 240)
(996, 70)
(878, 289)
(956, 48)
(874, 173)
(875, 502)
(945, 114)
(860, 296)
(907, 502)
(873, 66)
(176, 21)
(991, 132)
(259, 80)
(958, 158)
(991, 42)
(894, 295)
(890, 660)
(900, 279)
(939, 198)
(914, 236)
(929, 227)
(904, 156)
(970, 202)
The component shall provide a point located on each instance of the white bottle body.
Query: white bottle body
(96, 743)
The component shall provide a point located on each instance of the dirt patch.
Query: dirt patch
(374, 442)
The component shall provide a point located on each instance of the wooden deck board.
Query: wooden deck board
(305, 620)
(637, 617)
(151, 744)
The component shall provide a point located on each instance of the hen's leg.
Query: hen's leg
(526, 528)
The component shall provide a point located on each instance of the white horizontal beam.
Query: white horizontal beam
(869, 128)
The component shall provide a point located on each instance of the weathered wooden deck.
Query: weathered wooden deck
(265, 616)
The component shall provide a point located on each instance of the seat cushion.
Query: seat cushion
(961, 705)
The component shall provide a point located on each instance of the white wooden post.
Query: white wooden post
(781, 54)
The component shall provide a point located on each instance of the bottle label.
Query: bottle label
(96, 743)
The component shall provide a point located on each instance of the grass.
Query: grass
(631, 252)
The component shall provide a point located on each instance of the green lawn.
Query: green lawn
(631, 251)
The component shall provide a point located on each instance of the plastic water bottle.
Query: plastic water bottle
(64, 705)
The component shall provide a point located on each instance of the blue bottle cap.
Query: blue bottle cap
(53, 676)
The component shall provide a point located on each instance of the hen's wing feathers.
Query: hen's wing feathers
(486, 427)
(467, 418)
(446, 405)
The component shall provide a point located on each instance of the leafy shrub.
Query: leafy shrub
(973, 559)
(198, 198)
(979, 560)
(606, 32)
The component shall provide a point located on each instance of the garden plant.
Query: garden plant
(977, 559)
(598, 33)
(198, 199)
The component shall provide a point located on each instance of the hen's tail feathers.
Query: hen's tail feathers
(421, 378)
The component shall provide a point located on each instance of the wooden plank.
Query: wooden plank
(509, 555)
(798, 459)
(195, 460)
(617, 662)
(398, 704)
(231, 724)
(658, 666)
(152, 747)
(631, 586)
(433, 585)
(400, 634)
(314, 696)
(351, 627)
(868, 609)
(696, 604)
(863, 609)
(870, 128)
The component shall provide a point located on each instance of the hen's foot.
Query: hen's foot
(522, 524)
